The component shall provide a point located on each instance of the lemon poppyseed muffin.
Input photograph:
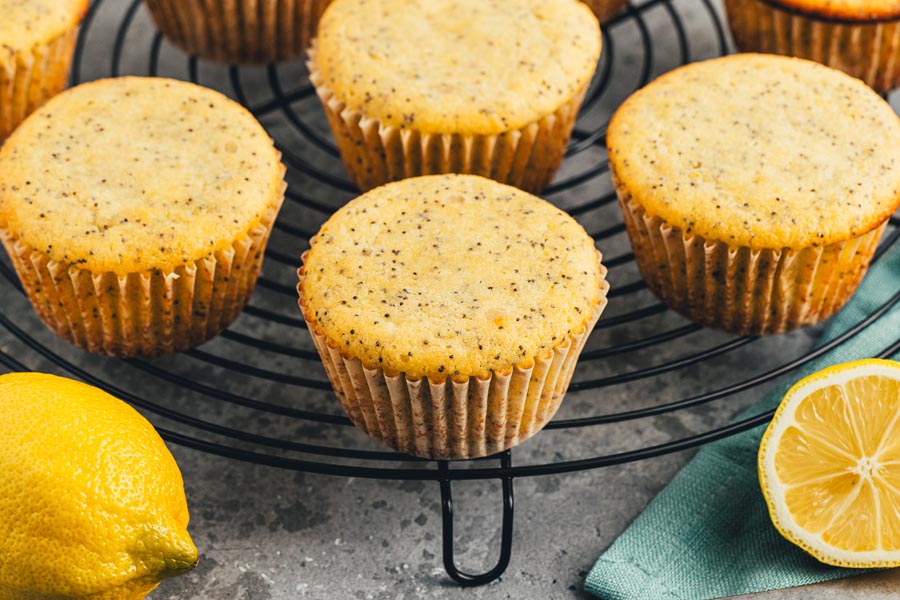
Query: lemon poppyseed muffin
(755, 188)
(451, 291)
(488, 87)
(136, 229)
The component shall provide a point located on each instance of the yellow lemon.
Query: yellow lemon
(829, 464)
(92, 503)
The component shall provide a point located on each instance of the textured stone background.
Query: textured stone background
(268, 534)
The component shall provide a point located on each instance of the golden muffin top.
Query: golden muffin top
(131, 174)
(760, 151)
(849, 10)
(26, 23)
(450, 275)
(468, 66)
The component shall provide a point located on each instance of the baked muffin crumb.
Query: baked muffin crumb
(755, 188)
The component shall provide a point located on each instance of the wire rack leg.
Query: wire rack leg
(460, 577)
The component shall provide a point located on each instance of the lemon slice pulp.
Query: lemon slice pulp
(829, 464)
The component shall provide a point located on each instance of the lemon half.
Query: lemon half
(829, 464)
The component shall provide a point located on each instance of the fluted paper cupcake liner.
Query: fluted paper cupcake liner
(739, 289)
(450, 419)
(239, 31)
(28, 79)
(869, 50)
(148, 313)
(375, 154)
(605, 9)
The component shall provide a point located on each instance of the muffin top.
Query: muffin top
(134, 173)
(849, 10)
(26, 23)
(760, 151)
(450, 275)
(468, 66)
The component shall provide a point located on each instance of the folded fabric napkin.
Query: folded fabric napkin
(708, 533)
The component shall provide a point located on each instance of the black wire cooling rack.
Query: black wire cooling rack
(258, 393)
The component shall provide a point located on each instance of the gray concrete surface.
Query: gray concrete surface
(269, 534)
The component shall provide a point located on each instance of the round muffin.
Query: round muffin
(37, 40)
(136, 212)
(486, 87)
(450, 311)
(605, 9)
(858, 37)
(240, 31)
(755, 188)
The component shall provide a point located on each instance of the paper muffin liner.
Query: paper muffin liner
(605, 9)
(868, 50)
(239, 31)
(149, 313)
(375, 154)
(450, 419)
(739, 289)
(28, 79)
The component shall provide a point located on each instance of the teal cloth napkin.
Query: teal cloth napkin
(708, 533)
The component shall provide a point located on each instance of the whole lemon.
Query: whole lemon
(92, 503)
